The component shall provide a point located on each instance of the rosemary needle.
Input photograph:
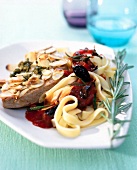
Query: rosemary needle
(118, 90)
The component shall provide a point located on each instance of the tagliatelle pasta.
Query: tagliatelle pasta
(67, 116)
(72, 123)
(77, 98)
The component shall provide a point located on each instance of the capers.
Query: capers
(26, 77)
(38, 70)
(16, 71)
(25, 66)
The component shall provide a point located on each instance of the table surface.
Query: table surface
(43, 20)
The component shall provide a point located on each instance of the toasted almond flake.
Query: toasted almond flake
(19, 87)
(58, 63)
(34, 64)
(42, 56)
(44, 77)
(23, 92)
(31, 56)
(6, 94)
(33, 80)
(25, 83)
(5, 87)
(14, 84)
(43, 63)
(2, 82)
(46, 72)
(57, 74)
(17, 94)
(13, 91)
(37, 85)
(20, 75)
(11, 67)
(51, 50)
(53, 57)
(15, 79)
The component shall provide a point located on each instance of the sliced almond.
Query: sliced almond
(37, 85)
(31, 56)
(51, 50)
(57, 74)
(16, 95)
(23, 92)
(58, 63)
(53, 57)
(14, 84)
(15, 79)
(12, 90)
(20, 75)
(11, 67)
(5, 87)
(6, 94)
(19, 87)
(43, 63)
(46, 72)
(33, 80)
(2, 82)
(46, 77)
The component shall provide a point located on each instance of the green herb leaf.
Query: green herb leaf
(118, 90)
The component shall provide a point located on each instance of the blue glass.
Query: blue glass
(112, 23)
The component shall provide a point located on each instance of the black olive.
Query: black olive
(51, 111)
(82, 73)
(84, 91)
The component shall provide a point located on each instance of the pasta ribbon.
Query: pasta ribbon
(68, 118)
(67, 121)
(73, 130)
(100, 83)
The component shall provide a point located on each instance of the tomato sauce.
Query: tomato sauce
(84, 94)
(39, 118)
(84, 52)
(84, 59)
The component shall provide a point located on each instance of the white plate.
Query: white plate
(94, 137)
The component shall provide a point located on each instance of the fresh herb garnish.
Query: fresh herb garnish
(36, 108)
(118, 90)
(95, 102)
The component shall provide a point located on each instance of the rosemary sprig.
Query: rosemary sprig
(118, 88)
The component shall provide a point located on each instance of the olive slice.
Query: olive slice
(82, 73)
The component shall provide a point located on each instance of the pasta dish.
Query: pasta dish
(75, 102)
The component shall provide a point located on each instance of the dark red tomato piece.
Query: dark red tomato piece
(45, 122)
(84, 95)
(83, 52)
(67, 73)
(39, 118)
(84, 64)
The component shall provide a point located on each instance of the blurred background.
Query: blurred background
(22, 20)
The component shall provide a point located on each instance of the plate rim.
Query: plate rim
(116, 143)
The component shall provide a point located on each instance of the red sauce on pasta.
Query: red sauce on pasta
(84, 94)
(39, 118)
